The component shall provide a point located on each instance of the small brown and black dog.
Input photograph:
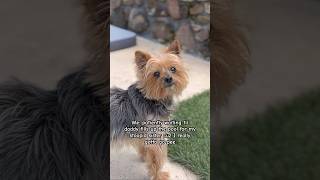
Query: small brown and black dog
(160, 79)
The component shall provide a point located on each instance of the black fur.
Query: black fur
(131, 105)
(60, 134)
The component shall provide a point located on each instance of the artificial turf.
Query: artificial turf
(281, 143)
(194, 152)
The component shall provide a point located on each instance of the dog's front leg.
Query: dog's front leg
(155, 157)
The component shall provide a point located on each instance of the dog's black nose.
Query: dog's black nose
(168, 80)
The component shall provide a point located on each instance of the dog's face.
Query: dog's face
(163, 76)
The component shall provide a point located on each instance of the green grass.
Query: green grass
(194, 152)
(281, 143)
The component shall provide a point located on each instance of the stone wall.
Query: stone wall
(165, 20)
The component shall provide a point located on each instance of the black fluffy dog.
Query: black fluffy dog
(61, 134)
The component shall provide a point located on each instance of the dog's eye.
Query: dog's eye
(173, 69)
(156, 74)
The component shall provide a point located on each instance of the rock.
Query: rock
(157, 8)
(128, 2)
(163, 19)
(134, 12)
(195, 27)
(162, 31)
(139, 2)
(152, 11)
(184, 10)
(114, 4)
(203, 19)
(137, 20)
(161, 10)
(118, 18)
(185, 36)
(196, 9)
(152, 7)
(202, 35)
(173, 9)
(138, 24)
(126, 12)
(207, 7)
(163, 13)
(152, 4)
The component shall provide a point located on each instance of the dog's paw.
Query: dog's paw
(162, 176)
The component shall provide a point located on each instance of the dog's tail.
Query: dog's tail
(230, 51)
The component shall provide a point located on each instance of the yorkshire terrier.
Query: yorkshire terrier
(160, 79)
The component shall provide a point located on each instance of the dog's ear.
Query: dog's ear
(141, 59)
(174, 47)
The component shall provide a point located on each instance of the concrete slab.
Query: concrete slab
(121, 38)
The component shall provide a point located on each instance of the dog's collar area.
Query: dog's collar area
(147, 106)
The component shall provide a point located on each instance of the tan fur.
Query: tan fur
(142, 152)
(155, 156)
(152, 87)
